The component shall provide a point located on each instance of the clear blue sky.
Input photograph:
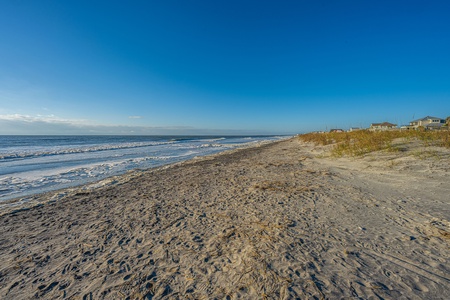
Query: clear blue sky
(220, 66)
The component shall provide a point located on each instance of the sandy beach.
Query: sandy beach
(279, 221)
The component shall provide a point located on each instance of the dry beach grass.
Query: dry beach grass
(270, 222)
(361, 142)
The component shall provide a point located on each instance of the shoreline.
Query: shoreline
(272, 221)
(29, 201)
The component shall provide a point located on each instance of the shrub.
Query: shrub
(360, 142)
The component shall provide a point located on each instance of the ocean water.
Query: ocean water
(35, 164)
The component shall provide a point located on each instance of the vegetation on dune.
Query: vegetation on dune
(360, 142)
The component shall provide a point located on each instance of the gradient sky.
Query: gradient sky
(225, 67)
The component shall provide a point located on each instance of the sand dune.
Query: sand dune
(270, 222)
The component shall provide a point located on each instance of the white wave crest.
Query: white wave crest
(85, 149)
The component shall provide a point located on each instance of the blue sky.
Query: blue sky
(225, 67)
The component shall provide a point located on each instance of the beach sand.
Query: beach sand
(278, 221)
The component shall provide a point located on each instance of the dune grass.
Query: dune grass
(361, 142)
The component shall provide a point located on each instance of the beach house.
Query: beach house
(382, 126)
(427, 123)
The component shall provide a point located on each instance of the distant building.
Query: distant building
(427, 123)
(336, 130)
(354, 129)
(382, 126)
(404, 127)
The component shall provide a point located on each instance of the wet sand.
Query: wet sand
(278, 221)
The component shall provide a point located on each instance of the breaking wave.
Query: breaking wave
(85, 149)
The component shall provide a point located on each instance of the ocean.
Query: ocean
(36, 164)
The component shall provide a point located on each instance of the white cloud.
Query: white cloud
(42, 124)
(11, 124)
(51, 119)
(135, 117)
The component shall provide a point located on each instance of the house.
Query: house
(354, 129)
(404, 127)
(336, 130)
(382, 126)
(427, 123)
